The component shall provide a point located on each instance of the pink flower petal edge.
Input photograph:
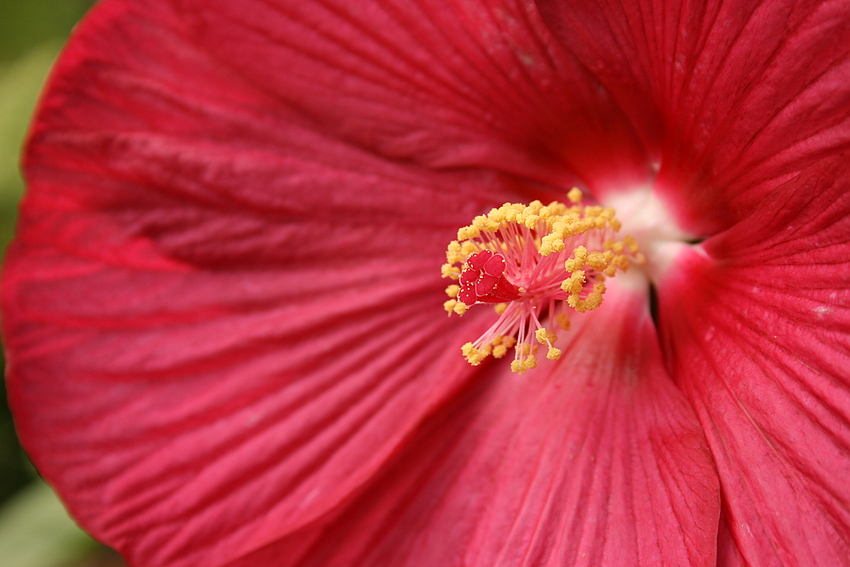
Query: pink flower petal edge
(759, 338)
(596, 461)
(729, 98)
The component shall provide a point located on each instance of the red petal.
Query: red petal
(215, 325)
(759, 335)
(238, 406)
(597, 461)
(728, 96)
(446, 84)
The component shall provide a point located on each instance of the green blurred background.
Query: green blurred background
(35, 531)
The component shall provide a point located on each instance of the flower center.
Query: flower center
(535, 263)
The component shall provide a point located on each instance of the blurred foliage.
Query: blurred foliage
(20, 84)
(31, 515)
(35, 530)
(27, 23)
(31, 34)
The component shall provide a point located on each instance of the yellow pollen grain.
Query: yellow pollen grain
(484, 223)
(468, 233)
(545, 337)
(474, 355)
(468, 248)
(497, 215)
(520, 366)
(621, 261)
(575, 282)
(530, 233)
(541, 336)
(453, 253)
(618, 247)
(450, 271)
(597, 261)
(578, 260)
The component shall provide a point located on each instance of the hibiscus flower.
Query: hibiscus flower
(224, 313)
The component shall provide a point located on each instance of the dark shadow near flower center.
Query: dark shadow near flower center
(653, 304)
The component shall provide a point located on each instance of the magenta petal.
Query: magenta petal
(727, 96)
(442, 83)
(215, 324)
(759, 338)
(218, 403)
(598, 462)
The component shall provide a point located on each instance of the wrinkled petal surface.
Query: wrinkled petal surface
(218, 313)
(730, 98)
(595, 461)
(759, 336)
(441, 83)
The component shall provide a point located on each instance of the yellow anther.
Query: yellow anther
(621, 261)
(597, 261)
(542, 336)
(545, 261)
(550, 244)
(449, 306)
(453, 253)
(520, 366)
(545, 337)
(484, 223)
(525, 349)
(497, 215)
(468, 232)
(534, 207)
(578, 260)
(575, 282)
(450, 271)
(474, 355)
(468, 248)
(499, 351)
